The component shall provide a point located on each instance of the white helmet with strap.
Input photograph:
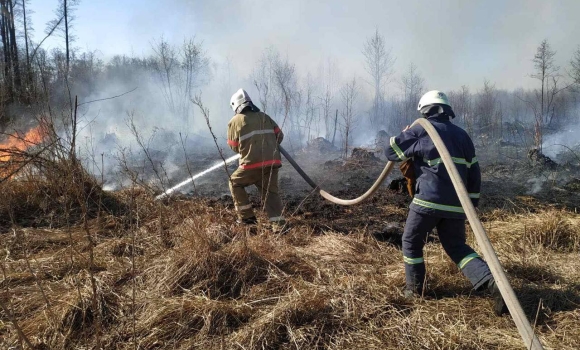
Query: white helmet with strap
(239, 98)
(433, 97)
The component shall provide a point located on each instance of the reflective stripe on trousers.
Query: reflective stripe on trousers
(243, 207)
(413, 261)
(266, 180)
(452, 237)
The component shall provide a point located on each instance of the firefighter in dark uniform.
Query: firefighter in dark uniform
(435, 202)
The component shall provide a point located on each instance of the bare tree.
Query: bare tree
(64, 24)
(328, 77)
(349, 116)
(310, 114)
(263, 78)
(27, 26)
(179, 71)
(462, 104)
(12, 76)
(575, 67)
(224, 78)
(412, 85)
(545, 70)
(287, 96)
(165, 63)
(546, 97)
(485, 110)
(379, 65)
(194, 65)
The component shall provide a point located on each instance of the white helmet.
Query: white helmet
(239, 98)
(433, 97)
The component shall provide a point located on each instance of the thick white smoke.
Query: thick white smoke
(153, 130)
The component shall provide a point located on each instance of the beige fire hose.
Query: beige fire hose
(518, 315)
(388, 168)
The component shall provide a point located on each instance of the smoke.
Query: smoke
(563, 143)
(138, 116)
(274, 51)
(535, 185)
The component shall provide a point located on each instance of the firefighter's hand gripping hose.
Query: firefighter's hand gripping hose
(524, 327)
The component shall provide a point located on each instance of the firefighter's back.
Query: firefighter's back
(257, 140)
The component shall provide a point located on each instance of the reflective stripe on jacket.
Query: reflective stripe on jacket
(434, 191)
(255, 136)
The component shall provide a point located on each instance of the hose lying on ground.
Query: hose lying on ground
(388, 168)
(518, 315)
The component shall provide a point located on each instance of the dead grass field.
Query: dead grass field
(183, 275)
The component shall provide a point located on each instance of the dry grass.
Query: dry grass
(52, 199)
(554, 230)
(182, 275)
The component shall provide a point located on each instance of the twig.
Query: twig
(569, 149)
(57, 23)
(145, 149)
(91, 244)
(205, 111)
(68, 205)
(134, 223)
(107, 98)
(18, 137)
(74, 131)
(36, 280)
(21, 334)
(33, 157)
(187, 160)
(536, 321)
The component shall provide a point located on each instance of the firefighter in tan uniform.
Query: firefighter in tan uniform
(255, 136)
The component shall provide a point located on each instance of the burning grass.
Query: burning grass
(183, 275)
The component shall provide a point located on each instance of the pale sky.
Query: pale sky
(452, 42)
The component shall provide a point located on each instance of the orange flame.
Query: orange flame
(16, 142)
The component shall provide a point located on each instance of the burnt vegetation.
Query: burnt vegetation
(87, 268)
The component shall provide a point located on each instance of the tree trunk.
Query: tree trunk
(538, 135)
(542, 98)
(14, 49)
(346, 143)
(6, 48)
(335, 122)
(28, 66)
(66, 38)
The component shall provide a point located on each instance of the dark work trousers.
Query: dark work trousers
(452, 236)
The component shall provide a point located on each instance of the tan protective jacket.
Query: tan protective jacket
(255, 136)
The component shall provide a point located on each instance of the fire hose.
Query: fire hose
(522, 323)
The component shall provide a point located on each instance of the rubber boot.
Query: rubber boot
(279, 227)
(499, 305)
(248, 221)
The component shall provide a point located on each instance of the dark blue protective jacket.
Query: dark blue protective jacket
(434, 192)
